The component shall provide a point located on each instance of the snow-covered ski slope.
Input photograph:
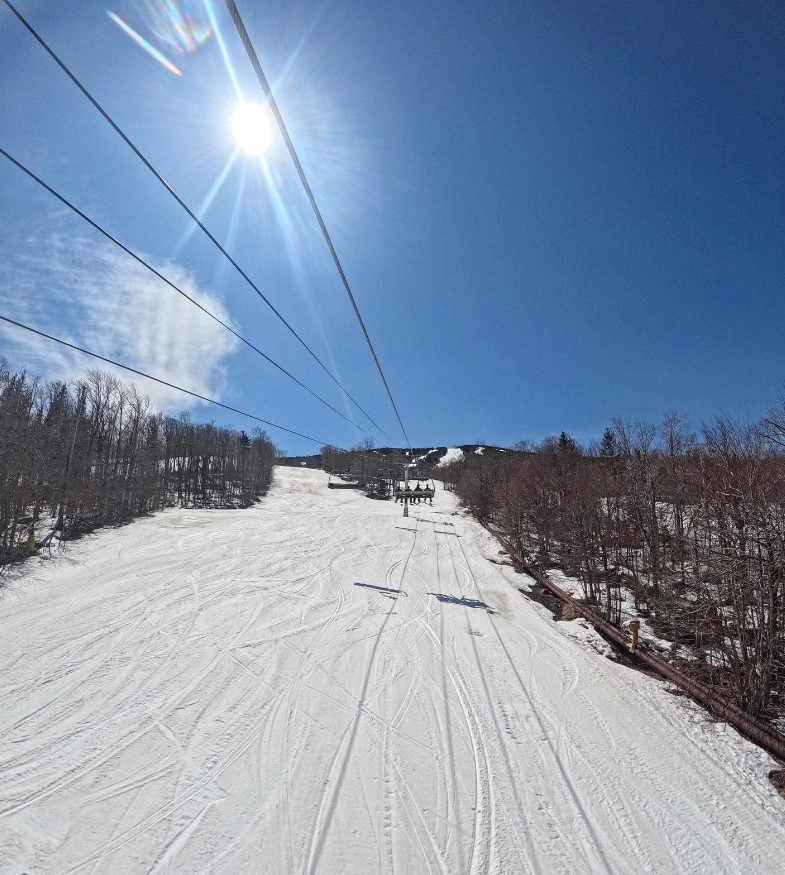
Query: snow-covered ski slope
(317, 684)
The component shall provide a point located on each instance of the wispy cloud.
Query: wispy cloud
(93, 295)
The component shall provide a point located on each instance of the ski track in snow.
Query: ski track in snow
(320, 685)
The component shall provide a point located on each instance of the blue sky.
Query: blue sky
(551, 213)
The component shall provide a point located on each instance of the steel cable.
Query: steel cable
(176, 288)
(184, 206)
(252, 56)
(163, 382)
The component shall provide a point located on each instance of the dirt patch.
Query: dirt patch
(777, 778)
(568, 611)
(545, 597)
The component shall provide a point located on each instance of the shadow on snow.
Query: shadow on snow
(466, 603)
(383, 590)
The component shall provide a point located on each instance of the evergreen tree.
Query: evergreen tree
(609, 447)
(567, 442)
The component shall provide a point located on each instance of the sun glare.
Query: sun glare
(251, 127)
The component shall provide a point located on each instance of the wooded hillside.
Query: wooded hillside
(93, 453)
(693, 526)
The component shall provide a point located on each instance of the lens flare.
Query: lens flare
(251, 127)
(143, 43)
(179, 27)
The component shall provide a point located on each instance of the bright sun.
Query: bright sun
(251, 127)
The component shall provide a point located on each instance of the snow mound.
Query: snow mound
(571, 585)
(582, 632)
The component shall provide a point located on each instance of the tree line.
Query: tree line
(75, 456)
(691, 526)
(363, 461)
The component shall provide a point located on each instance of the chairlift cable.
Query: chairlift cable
(176, 288)
(252, 56)
(185, 207)
(163, 382)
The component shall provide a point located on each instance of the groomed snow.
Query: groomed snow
(453, 454)
(317, 684)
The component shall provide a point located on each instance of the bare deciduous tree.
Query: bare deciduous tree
(93, 454)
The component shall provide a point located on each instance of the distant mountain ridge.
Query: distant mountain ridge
(429, 456)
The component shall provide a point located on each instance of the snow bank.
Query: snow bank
(586, 635)
(572, 586)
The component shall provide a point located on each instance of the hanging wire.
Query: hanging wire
(252, 56)
(39, 39)
(168, 282)
(139, 373)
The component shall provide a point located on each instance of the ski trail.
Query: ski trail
(319, 685)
